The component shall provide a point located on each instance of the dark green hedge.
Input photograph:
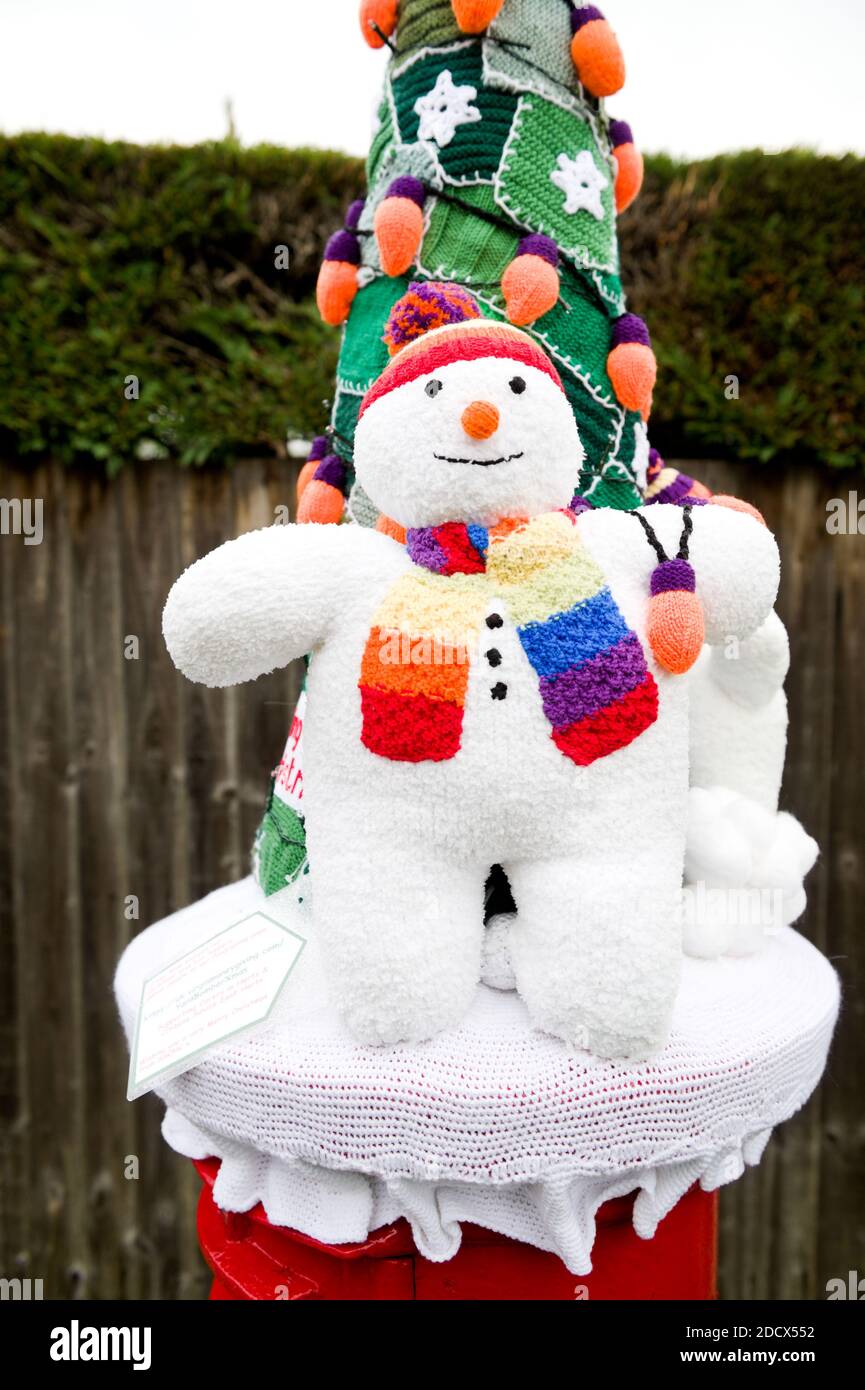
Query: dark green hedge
(753, 265)
(117, 260)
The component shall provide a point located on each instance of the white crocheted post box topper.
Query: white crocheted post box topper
(492, 1122)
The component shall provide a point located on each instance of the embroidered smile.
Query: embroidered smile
(480, 463)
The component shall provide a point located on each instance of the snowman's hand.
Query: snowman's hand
(737, 565)
(259, 602)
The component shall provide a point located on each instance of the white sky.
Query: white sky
(704, 75)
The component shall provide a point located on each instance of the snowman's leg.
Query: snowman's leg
(597, 949)
(401, 930)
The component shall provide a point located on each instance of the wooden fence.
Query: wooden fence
(119, 779)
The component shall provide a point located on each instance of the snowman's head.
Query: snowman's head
(469, 422)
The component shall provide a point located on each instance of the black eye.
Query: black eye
(432, 388)
(517, 385)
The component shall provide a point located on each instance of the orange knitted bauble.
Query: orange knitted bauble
(398, 227)
(633, 370)
(382, 13)
(473, 16)
(629, 175)
(305, 477)
(676, 630)
(675, 626)
(598, 58)
(335, 291)
(322, 503)
(530, 286)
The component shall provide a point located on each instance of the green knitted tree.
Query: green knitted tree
(496, 166)
(491, 140)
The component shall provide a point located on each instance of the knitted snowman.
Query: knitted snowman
(505, 687)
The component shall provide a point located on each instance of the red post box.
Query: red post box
(252, 1259)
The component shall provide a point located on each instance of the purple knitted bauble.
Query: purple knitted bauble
(343, 246)
(584, 15)
(354, 214)
(630, 329)
(621, 133)
(331, 470)
(538, 245)
(407, 186)
(676, 575)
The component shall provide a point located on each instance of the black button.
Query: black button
(494, 656)
(495, 620)
(499, 691)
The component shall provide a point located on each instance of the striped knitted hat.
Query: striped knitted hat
(436, 324)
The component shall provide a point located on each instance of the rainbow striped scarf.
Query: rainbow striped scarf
(595, 687)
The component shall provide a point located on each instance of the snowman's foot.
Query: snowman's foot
(623, 1047)
(589, 1033)
(596, 951)
(401, 937)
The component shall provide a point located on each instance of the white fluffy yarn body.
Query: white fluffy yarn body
(401, 850)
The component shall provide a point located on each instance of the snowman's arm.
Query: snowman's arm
(735, 560)
(738, 568)
(258, 602)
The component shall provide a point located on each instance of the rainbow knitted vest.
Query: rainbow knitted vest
(595, 686)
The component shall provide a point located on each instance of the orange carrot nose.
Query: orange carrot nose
(480, 419)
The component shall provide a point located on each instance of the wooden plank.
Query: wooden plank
(842, 1167)
(16, 1156)
(43, 778)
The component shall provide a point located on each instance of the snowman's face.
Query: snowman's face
(474, 441)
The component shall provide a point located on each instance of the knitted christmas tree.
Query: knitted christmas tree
(494, 165)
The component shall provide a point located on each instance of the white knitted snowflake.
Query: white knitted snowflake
(582, 183)
(443, 110)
